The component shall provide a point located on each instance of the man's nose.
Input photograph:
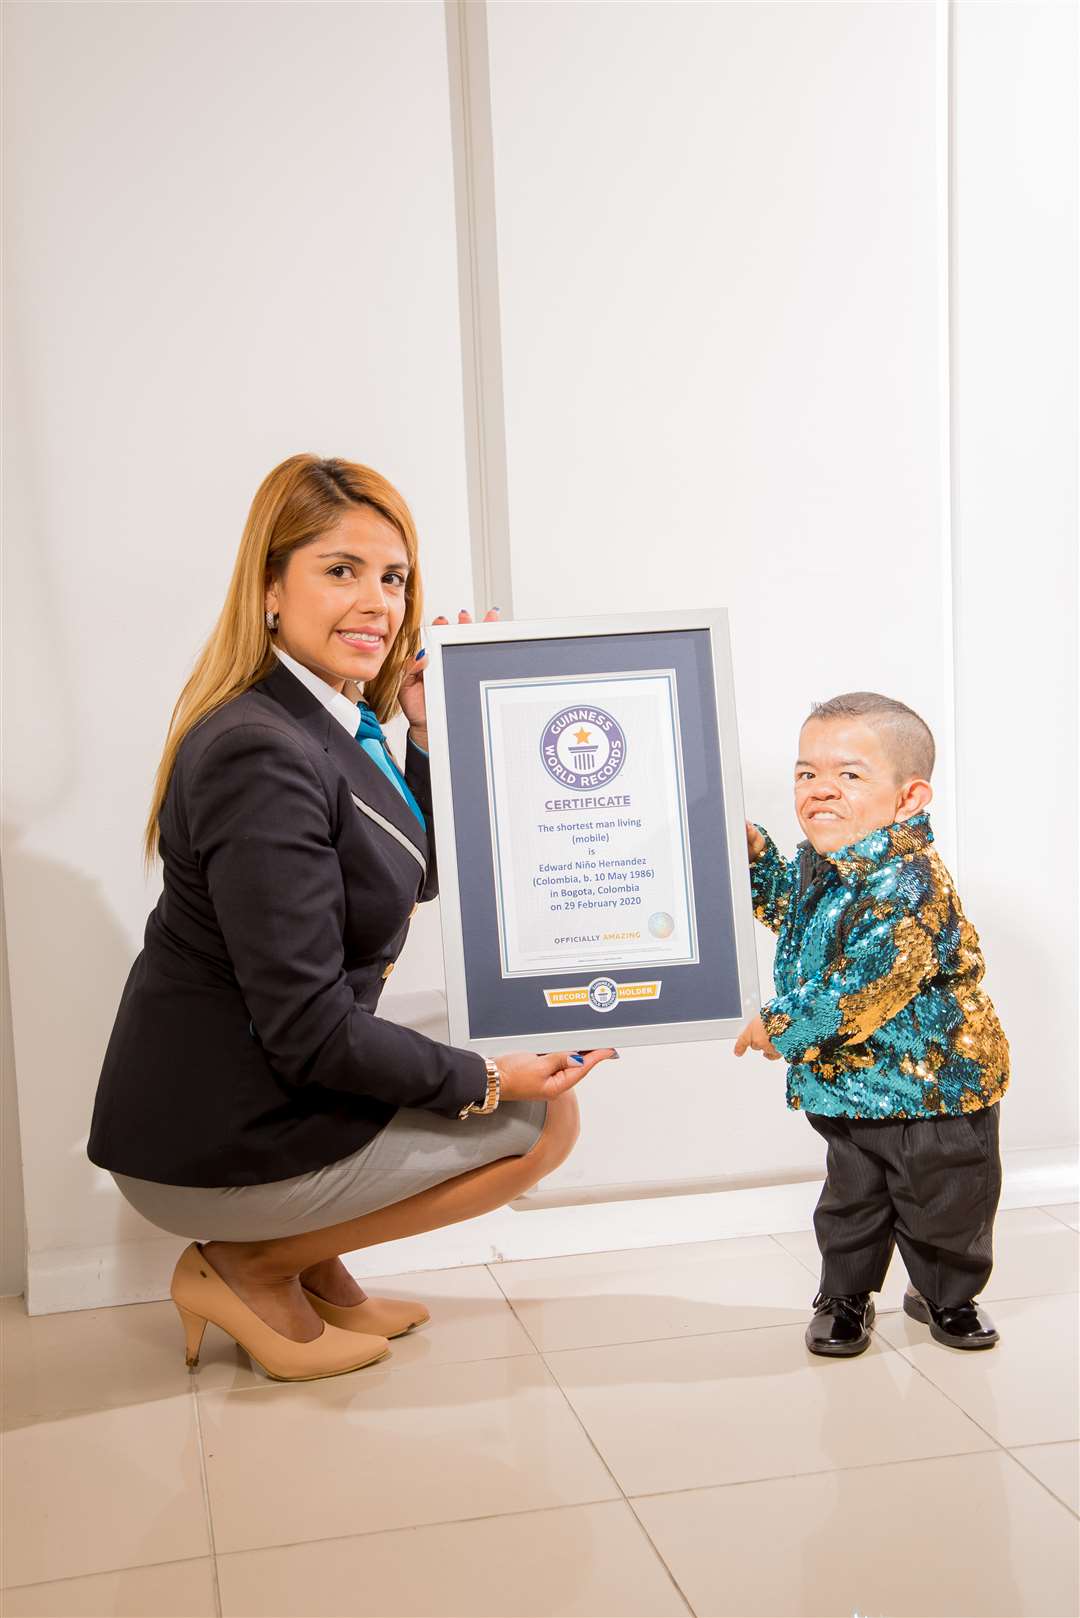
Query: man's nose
(824, 788)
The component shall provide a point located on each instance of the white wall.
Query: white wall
(230, 237)
(724, 254)
(1016, 274)
(12, 1219)
(721, 260)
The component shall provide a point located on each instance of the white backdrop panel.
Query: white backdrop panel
(720, 265)
(230, 237)
(1015, 389)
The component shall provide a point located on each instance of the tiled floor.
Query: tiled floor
(621, 1433)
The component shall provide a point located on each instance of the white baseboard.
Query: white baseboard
(139, 1272)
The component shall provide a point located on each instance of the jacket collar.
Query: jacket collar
(878, 847)
(363, 775)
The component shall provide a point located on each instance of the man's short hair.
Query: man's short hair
(908, 739)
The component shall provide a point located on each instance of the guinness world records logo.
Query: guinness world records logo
(583, 748)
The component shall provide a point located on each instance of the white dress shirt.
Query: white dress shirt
(344, 711)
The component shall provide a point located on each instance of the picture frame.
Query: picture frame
(590, 831)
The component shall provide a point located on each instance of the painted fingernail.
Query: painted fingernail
(578, 1058)
(616, 1056)
(421, 653)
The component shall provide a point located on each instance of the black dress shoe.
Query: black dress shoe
(962, 1325)
(841, 1326)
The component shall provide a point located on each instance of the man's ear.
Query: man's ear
(914, 798)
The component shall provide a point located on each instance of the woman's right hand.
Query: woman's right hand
(526, 1077)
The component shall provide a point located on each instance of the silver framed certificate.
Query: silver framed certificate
(590, 835)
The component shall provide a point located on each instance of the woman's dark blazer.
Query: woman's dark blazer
(246, 1048)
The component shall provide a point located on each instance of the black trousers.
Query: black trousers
(929, 1186)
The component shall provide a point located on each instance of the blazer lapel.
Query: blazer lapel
(368, 783)
(365, 780)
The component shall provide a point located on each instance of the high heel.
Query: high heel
(201, 1295)
(194, 1327)
(388, 1317)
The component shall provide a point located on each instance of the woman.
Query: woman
(249, 1094)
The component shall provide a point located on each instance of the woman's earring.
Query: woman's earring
(272, 622)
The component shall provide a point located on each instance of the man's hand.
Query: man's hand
(755, 1038)
(755, 843)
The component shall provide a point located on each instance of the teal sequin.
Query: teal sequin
(879, 1007)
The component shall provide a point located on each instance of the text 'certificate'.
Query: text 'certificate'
(589, 827)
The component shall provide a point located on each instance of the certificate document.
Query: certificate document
(587, 803)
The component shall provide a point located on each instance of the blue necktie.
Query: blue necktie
(371, 739)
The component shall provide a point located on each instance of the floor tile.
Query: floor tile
(580, 1560)
(1056, 1465)
(1034, 1253)
(694, 1411)
(470, 1320)
(1024, 1390)
(1068, 1212)
(873, 1540)
(393, 1449)
(89, 1360)
(104, 1489)
(677, 1291)
(175, 1590)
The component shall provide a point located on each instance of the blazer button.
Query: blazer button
(387, 969)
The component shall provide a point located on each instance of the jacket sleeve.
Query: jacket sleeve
(887, 957)
(260, 824)
(772, 881)
(418, 778)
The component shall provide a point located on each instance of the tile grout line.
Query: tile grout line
(102, 1573)
(205, 1479)
(536, 1511)
(528, 1511)
(1011, 1453)
(593, 1446)
(896, 1347)
(27, 1418)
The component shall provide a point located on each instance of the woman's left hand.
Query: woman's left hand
(411, 691)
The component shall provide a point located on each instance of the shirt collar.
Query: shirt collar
(882, 845)
(336, 702)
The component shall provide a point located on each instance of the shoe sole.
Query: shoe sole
(838, 1353)
(967, 1345)
(320, 1376)
(405, 1330)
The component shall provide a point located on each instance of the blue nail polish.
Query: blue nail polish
(580, 1060)
(421, 653)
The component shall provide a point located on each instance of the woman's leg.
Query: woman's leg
(267, 1274)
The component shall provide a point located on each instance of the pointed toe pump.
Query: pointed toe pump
(387, 1317)
(201, 1295)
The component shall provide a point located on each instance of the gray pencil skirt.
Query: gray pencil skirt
(415, 1151)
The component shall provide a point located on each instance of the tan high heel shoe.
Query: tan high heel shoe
(389, 1317)
(201, 1295)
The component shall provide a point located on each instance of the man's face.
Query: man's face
(845, 783)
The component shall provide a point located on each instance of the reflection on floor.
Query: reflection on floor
(624, 1433)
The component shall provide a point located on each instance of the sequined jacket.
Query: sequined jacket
(879, 1009)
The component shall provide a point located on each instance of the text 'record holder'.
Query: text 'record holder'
(591, 839)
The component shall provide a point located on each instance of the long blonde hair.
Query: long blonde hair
(300, 499)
